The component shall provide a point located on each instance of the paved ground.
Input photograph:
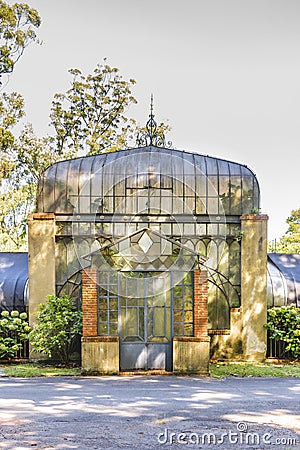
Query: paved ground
(138, 413)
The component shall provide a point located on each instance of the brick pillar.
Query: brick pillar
(89, 303)
(99, 354)
(200, 303)
(191, 353)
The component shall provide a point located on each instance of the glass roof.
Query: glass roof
(283, 279)
(13, 281)
(148, 180)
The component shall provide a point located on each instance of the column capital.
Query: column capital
(255, 217)
(41, 216)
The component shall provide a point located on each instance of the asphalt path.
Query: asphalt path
(138, 412)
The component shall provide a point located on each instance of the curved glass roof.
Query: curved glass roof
(148, 180)
(13, 281)
(283, 279)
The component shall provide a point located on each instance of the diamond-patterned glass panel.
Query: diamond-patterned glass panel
(145, 242)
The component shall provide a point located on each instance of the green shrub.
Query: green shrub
(59, 323)
(14, 331)
(284, 325)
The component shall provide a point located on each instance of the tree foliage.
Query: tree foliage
(23, 162)
(90, 117)
(284, 325)
(14, 331)
(11, 111)
(59, 323)
(17, 30)
(290, 241)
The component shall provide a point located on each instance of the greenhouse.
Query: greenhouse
(132, 236)
(283, 280)
(13, 281)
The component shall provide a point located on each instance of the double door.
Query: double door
(145, 331)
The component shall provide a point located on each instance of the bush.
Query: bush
(14, 331)
(284, 325)
(59, 323)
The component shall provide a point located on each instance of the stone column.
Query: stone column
(100, 354)
(254, 285)
(191, 354)
(41, 263)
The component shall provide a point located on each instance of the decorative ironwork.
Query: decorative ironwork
(152, 136)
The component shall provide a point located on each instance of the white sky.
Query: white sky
(224, 73)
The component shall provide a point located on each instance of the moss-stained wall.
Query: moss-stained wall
(247, 338)
(41, 261)
(254, 285)
(100, 355)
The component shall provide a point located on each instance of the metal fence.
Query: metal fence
(276, 349)
(23, 352)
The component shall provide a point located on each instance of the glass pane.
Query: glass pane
(142, 204)
(235, 169)
(113, 303)
(103, 329)
(211, 164)
(177, 329)
(103, 303)
(177, 291)
(212, 205)
(247, 182)
(159, 321)
(188, 303)
(201, 186)
(132, 322)
(177, 302)
(236, 194)
(120, 189)
(224, 187)
(113, 328)
(177, 316)
(188, 329)
(113, 316)
(223, 167)
(103, 278)
(212, 186)
(158, 300)
(188, 294)
(188, 316)
(103, 316)
(85, 204)
(188, 278)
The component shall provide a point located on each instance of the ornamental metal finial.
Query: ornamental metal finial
(152, 136)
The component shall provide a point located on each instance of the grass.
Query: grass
(242, 369)
(217, 370)
(28, 369)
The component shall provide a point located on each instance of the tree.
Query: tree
(11, 111)
(27, 158)
(58, 326)
(290, 241)
(17, 24)
(17, 31)
(90, 117)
